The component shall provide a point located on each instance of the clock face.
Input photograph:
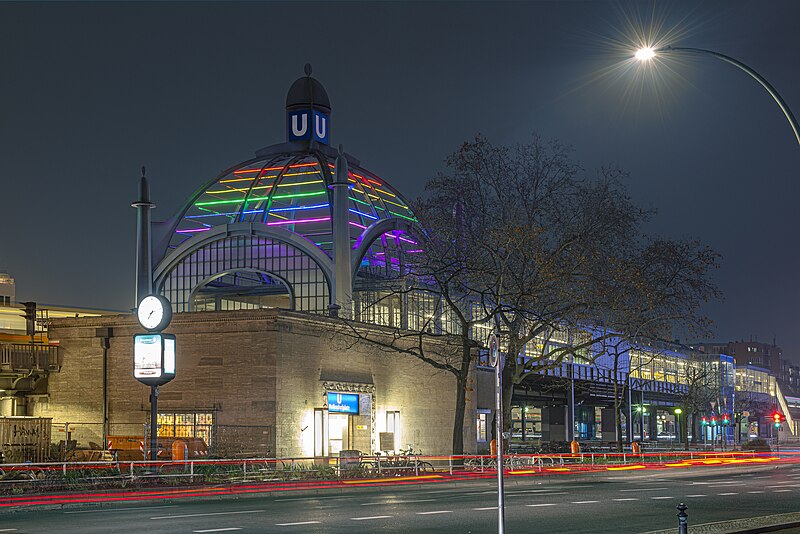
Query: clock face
(154, 312)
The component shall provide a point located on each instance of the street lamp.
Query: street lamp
(648, 53)
(678, 413)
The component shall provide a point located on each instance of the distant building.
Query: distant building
(26, 361)
(764, 355)
(7, 289)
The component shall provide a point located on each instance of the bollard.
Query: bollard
(683, 524)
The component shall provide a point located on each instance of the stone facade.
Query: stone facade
(262, 373)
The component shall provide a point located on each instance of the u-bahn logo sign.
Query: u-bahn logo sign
(308, 124)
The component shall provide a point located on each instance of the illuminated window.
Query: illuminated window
(186, 425)
(482, 425)
(393, 425)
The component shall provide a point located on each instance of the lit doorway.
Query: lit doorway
(338, 433)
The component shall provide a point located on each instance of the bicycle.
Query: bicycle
(410, 463)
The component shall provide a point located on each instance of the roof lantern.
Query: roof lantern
(308, 110)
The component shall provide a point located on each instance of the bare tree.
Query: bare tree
(702, 386)
(645, 293)
(520, 240)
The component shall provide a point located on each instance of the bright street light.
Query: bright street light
(645, 54)
(648, 53)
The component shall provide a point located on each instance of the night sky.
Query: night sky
(91, 92)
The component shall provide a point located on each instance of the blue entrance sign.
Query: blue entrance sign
(308, 124)
(342, 403)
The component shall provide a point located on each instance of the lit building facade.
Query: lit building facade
(260, 264)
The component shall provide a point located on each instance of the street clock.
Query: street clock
(154, 313)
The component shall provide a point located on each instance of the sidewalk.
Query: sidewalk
(751, 525)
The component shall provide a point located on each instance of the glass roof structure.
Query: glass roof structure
(266, 232)
(291, 191)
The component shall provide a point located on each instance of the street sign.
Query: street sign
(494, 350)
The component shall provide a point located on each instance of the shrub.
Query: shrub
(757, 445)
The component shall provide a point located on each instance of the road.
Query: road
(625, 502)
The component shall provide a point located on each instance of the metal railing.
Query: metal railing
(27, 357)
(278, 472)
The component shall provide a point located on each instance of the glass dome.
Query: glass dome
(290, 190)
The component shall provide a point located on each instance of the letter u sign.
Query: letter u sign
(300, 130)
(320, 127)
(301, 126)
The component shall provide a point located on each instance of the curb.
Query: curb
(750, 525)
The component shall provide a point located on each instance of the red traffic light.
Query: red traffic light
(778, 417)
(726, 419)
(704, 421)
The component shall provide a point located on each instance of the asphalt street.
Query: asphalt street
(626, 502)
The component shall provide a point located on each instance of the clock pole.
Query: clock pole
(144, 268)
(144, 285)
(154, 423)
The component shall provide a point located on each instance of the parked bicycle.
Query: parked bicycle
(405, 462)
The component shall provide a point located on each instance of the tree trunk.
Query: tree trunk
(618, 397)
(508, 391)
(458, 422)
(462, 379)
(685, 428)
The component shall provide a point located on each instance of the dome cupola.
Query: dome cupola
(308, 110)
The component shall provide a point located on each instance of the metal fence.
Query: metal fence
(273, 473)
(129, 441)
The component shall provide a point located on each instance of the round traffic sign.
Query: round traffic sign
(494, 350)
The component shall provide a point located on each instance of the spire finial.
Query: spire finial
(144, 171)
(307, 69)
(341, 149)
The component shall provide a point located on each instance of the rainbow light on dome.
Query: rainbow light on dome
(300, 183)
(412, 219)
(298, 221)
(363, 214)
(270, 189)
(220, 214)
(299, 195)
(293, 166)
(292, 208)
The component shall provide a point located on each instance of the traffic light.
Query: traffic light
(726, 419)
(777, 419)
(713, 420)
(30, 318)
(704, 421)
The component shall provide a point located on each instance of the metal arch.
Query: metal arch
(753, 74)
(243, 229)
(373, 232)
(211, 278)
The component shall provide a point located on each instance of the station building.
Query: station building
(260, 265)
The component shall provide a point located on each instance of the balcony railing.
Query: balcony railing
(21, 357)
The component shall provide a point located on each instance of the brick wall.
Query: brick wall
(261, 372)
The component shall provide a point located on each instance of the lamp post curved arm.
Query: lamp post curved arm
(753, 74)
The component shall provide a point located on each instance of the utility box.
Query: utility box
(25, 439)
